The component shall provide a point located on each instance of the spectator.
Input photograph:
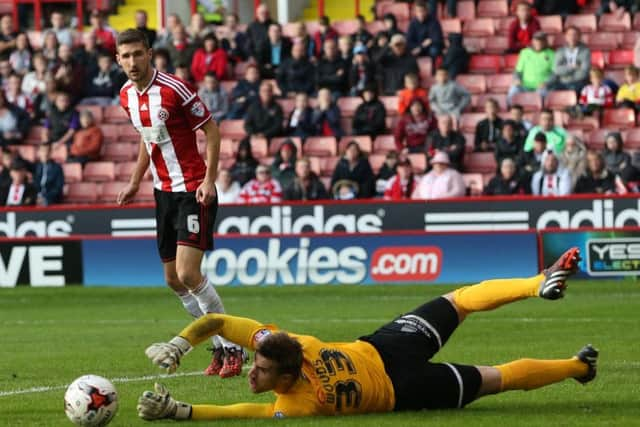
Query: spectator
(103, 87)
(530, 161)
(522, 125)
(284, 163)
(522, 28)
(244, 168)
(488, 129)
(296, 73)
(552, 179)
(572, 63)
(306, 185)
(361, 36)
(245, 93)
(556, 135)
(210, 57)
(19, 192)
(33, 82)
(257, 30)
(232, 40)
(50, 47)
(183, 73)
(629, 93)
(345, 49)
(424, 36)
(456, 57)
(411, 91)
(390, 25)
(574, 158)
(446, 97)
(197, 28)
(369, 117)
(14, 123)
(594, 97)
(447, 140)
(300, 121)
(615, 158)
(141, 19)
(403, 184)
(507, 182)
(48, 177)
(386, 172)
(354, 166)
(554, 7)
(161, 60)
(379, 49)
(597, 178)
(7, 35)
(362, 71)
(45, 101)
(331, 71)
(508, 144)
(324, 33)
(20, 58)
(64, 34)
(262, 189)
(326, 116)
(228, 190)
(86, 55)
(5, 71)
(618, 7)
(345, 190)
(396, 63)
(105, 35)
(68, 74)
(271, 54)
(534, 68)
(264, 117)
(165, 37)
(181, 49)
(413, 128)
(302, 36)
(441, 182)
(15, 96)
(62, 122)
(214, 97)
(87, 141)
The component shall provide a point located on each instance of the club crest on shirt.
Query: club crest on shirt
(197, 109)
(163, 114)
(260, 335)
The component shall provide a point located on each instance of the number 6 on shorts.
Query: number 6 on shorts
(193, 224)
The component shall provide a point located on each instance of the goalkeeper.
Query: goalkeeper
(386, 371)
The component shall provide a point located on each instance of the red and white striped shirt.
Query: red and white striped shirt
(255, 191)
(600, 95)
(167, 114)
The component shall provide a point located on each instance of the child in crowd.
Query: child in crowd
(629, 93)
(411, 90)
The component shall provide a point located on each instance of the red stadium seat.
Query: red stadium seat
(119, 151)
(586, 123)
(636, 21)
(275, 144)
(510, 62)
(481, 27)
(561, 99)
(474, 183)
(623, 118)
(620, 58)
(530, 101)
(475, 44)
(126, 132)
(418, 162)
(499, 83)
(383, 144)
(287, 104)
(400, 10)
(110, 190)
(451, 26)
(480, 163)
(228, 85)
(376, 161)
(145, 193)
(239, 70)
(82, 192)
(602, 41)
(425, 65)
(364, 142)
(320, 146)
(596, 138)
(35, 135)
(469, 141)
(115, 114)
(315, 163)
(466, 10)
(468, 122)
(328, 165)
(615, 75)
(59, 153)
(496, 45)
(374, 27)
(233, 129)
(632, 139)
(485, 64)
(345, 27)
(551, 24)
(502, 25)
(611, 22)
(72, 172)
(629, 40)
(597, 59)
(110, 132)
(390, 104)
(478, 101)
(27, 152)
(586, 23)
(474, 83)
(348, 105)
(124, 170)
(259, 147)
(492, 8)
(96, 111)
(99, 171)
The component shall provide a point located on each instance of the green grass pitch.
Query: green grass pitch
(51, 336)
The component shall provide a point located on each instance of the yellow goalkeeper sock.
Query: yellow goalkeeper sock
(528, 374)
(491, 294)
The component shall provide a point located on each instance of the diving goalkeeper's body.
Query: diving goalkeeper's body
(386, 371)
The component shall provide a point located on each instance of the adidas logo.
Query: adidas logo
(144, 107)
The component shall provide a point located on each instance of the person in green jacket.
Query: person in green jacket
(534, 67)
(556, 135)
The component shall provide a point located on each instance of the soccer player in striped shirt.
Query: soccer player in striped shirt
(167, 113)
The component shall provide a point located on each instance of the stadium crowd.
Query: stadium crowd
(335, 113)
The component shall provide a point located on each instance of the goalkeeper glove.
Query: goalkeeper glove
(159, 404)
(167, 354)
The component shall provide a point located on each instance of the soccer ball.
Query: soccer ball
(91, 401)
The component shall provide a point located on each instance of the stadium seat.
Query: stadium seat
(510, 62)
(59, 153)
(596, 138)
(556, 41)
(597, 59)
(418, 162)
(629, 40)
(391, 122)
(376, 161)
(480, 163)
(475, 44)
(400, 10)
(586, 23)
(485, 64)
(492, 8)
(551, 24)
(390, 104)
(287, 104)
(623, 118)
(611, 22)
(348, 105)
(35, 39)
(374, 27)
(345, 27)
(453, 25)
(228, 148)
(110, 132)
(364, 142)
(228, 85)
(636, 21)
(320, 146)
(275, 144)
(145, 193)
(123, 170)
(530, 101)
(328, 165)
(474, 83)
(35, 135)
(499, 83)
(478, 101)
(119, 151)
(27, 152)
(620, 58)
(474, 183)
(383, 144)
(502, 24)
(631, 139)
(481, 27)
(109, 191)
(602, 41)
(346, 124)
(587, 124)
(496, 45)
(561, 99)
(99, 171)
(82, 192)
(615, 75)
(259, 147)
(425, 65)
(468, 122)
(126, 132)
(466, 10)
(72, 172)
(115, 114)
(96, 110)
(233, 129)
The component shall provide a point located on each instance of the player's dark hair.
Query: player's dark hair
(131, 36)
(284, 350)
